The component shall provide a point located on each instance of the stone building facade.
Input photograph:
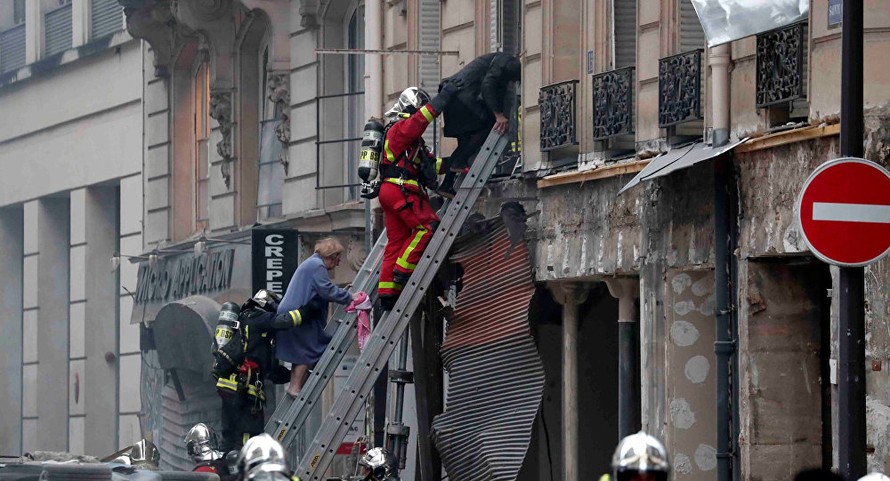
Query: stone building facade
(251, 109)
(70, 199)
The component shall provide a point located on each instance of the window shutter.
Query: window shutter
(625, 18)
(691, 34)
(106, 17)
(430, 18)
(57, 27)
(12, 48)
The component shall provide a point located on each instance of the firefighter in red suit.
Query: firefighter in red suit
(407, 169)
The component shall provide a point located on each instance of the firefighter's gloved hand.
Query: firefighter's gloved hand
(448, 90)
(295, 317)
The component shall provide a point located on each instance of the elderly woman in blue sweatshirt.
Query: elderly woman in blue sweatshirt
(303, 345)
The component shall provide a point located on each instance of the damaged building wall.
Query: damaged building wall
(690, 369)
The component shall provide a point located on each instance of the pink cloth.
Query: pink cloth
(362, 303)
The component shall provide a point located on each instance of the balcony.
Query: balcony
(558, 113)
(12, 48)
(780, 65)
(679, 88)
(613, 105)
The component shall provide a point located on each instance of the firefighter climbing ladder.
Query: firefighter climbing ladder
(287, 420)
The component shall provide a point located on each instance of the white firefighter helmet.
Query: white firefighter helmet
(380, 463)
(639, 454)
(201, 443)
(410, 100)
(262, 457)
(875, 477)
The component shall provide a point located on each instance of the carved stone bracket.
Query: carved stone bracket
(221, 111)
(309, 13)
(153, 21)
(278, 86)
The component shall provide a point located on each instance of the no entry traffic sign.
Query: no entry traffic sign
(844, 212)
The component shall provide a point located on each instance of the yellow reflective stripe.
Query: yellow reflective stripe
(296, 317)
(244, 438)
(227, 383)
(426, 113)
(251, 389)
(402, 261)
(389, 155)
(389, 285)
(231, 384)
(393, 180)
(438, 164)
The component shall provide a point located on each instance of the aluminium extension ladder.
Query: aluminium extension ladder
(289, 418)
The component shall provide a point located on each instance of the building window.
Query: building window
(12, 40)
(202, 140)
(106, 18)
(18, 12)
(355, 107)
(271, 169)
(57, 25)
(624, 32)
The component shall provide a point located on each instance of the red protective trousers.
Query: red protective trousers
(408, 220)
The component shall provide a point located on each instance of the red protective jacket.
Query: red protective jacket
(404, 148)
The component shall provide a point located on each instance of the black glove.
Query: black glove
(295, 317)
(447, 90)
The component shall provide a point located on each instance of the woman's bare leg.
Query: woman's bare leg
(298, 375)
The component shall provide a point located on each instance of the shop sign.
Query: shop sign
(183, 276)
(275, 255)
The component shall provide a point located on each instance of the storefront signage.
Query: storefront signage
(175, 278)
(275, 256)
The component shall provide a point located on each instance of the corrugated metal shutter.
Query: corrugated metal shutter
(106, 17)
(494, 38)
(691, 34)
(57, 28)
(511, 26)
(496, 377)
(12, 48)
(625, 28)
(430, 16)
(505, 26)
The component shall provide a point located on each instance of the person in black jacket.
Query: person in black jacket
(480, 106)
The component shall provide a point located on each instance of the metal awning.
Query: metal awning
(679, 158)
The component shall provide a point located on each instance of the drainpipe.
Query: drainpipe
(725, 240)
(627, 291)
(374, 108)
(374, 62)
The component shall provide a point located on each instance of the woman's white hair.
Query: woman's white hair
(328, 247)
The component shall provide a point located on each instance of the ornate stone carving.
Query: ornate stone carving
(309, 13)
(278, 86)
(355, 252)
(153, 22)
(221, 111)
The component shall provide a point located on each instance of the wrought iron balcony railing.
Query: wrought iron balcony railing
(679, 88)
(780, 60)
(558, 115)
(613, 103)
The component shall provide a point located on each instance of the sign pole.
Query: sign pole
(851, 295)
